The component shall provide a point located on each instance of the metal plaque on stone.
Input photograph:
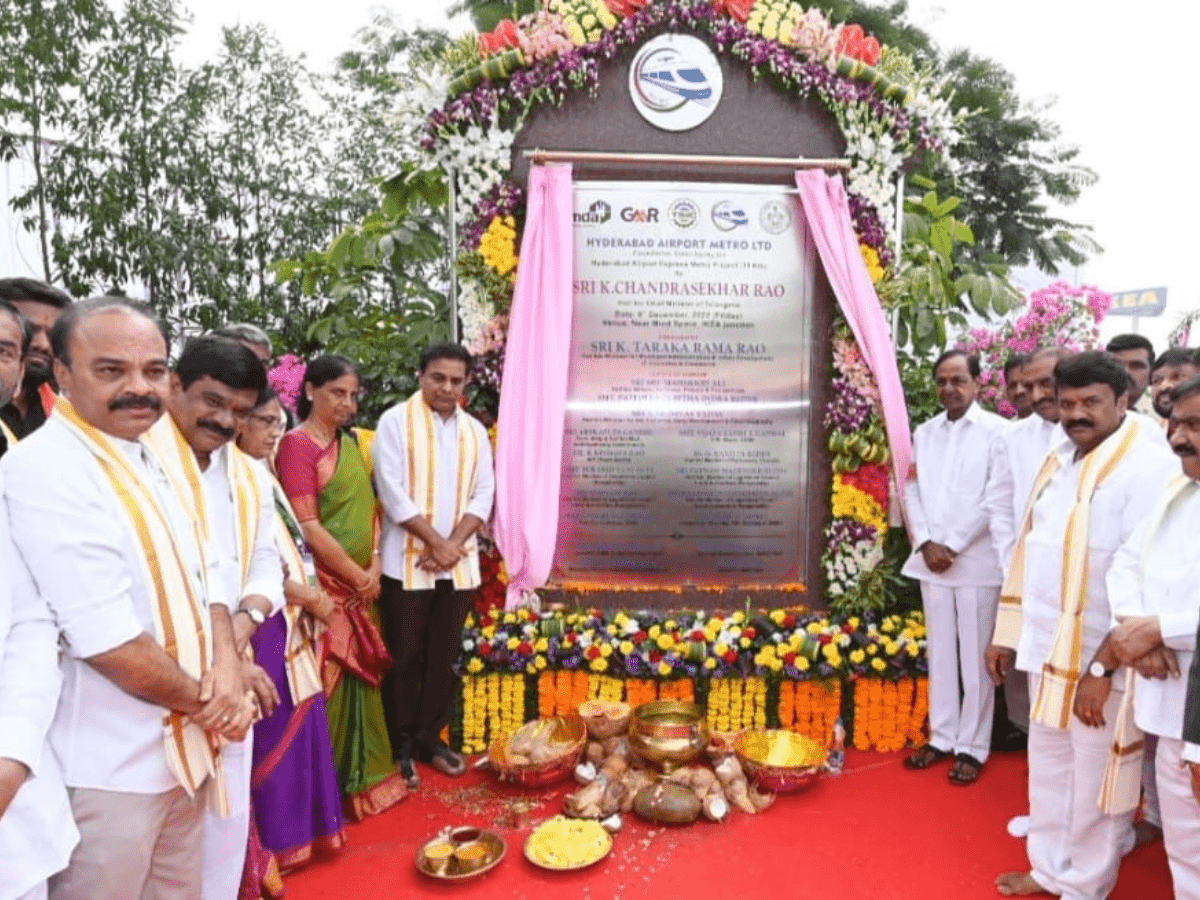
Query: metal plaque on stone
(688, 394)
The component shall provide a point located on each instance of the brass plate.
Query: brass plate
(585, 824)
(495, 846)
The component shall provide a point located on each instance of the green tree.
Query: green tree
(46, 45)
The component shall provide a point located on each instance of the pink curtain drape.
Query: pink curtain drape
(533, 402)
(823, 198)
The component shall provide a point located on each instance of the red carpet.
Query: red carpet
(877, 832)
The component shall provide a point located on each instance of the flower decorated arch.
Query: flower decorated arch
(886, 110)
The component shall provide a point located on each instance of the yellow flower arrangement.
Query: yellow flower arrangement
(852, 503)
(874, 267)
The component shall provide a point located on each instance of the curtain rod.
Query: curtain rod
(762, 162)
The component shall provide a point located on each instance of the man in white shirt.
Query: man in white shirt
(214, 388)
(1154, 584)
(1173, 365)
(1136, 353)
(955, 561)
(36, 829)
(1093, 490)
(1015, 390)
(433, 472)
(139, 715)
(1023, 446)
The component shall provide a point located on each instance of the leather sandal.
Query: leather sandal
(924, 757)
(448, 762)
(965, 770)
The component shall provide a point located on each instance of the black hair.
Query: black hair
(22, 323)
(1131, 342)
(265, 396)
(1189, 387)
(1015, 361)
(222, 359)
(60, 334)
(323, 369)
(971, 358)
(32, 289)
(1092, 367)
(446, 351)
(1174, 356)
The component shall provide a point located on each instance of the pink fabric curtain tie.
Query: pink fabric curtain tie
(823, 198)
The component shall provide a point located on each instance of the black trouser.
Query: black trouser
(423, 631)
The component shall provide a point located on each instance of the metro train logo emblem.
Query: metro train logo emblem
(675, 82)
(663, 72)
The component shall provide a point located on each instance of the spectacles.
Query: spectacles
(273, 423)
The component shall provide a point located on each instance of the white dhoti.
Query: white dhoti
(959, 622)
(1074, 849)
(36, 893)
(1180, 818)
(227, 837)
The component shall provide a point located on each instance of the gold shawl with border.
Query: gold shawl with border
(421, 440)
(182, 625)
(1121, 789)
(1060, 674)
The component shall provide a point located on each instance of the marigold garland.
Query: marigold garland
(888, 715)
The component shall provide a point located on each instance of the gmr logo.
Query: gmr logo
(629, 214)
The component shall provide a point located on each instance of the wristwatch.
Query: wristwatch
(1097, 670)
(257, 616)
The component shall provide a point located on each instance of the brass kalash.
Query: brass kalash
(668, 733)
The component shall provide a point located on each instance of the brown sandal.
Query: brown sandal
(924, 757)
(965, 770)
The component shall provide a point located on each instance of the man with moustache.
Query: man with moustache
(1015, 391)
(955, 561)
(1136, 354)
(1154, 583)
(1092, 490)
(1176, 364)
(40, 305)
(15, 337)
(214, 388)
(150, 674)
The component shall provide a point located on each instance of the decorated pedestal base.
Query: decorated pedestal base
(879, 714)
(783, 668)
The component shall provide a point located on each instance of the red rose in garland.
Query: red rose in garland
(857, 44)
(624, 8)
(500, 38)
(735, 9)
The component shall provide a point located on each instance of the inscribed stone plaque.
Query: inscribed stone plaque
(688, 393)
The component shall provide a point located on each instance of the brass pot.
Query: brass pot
(668, 733)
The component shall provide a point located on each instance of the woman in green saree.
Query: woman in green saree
(325, 471)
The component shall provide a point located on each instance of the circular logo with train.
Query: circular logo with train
(675, 82)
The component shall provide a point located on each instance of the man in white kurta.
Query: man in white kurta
(37, 832)
(1074, 849)
(140, 815)
(955, 560)
(1154, 584)
(1024, 445)
(434, 475)
(214, 387)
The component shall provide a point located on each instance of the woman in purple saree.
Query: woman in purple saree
(294, 786)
